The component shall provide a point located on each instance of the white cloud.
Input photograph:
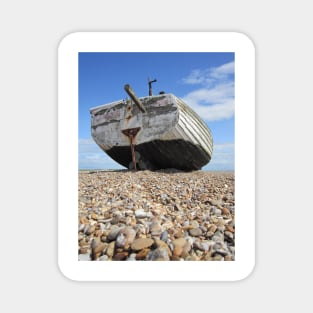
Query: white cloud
(210, 75)
(196, 77)
(92, 157)
(223, 71)
(214, 99)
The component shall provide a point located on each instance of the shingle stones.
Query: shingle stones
(156, 216)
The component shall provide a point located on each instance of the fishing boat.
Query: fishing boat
(152, 132)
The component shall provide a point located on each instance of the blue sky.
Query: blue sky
(205, 81)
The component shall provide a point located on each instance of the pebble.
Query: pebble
(90, 229)
(218, 236)
(159, 254)
(83, 250)
(179, 233)
(164, 236)
(202, 245)
(114, 233)
(225, 211)
(155, 229)
(195, 232)
(97, 247)
(110, 249)
(179, 245)
(125, 237)
(161, 244)
(132, 257)
(142, 254)
(141, 243)
(120, 256)
(164, 215)
(142, 214)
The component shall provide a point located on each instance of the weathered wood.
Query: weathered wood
(170, 133)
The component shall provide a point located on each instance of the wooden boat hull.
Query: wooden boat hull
(168, 134)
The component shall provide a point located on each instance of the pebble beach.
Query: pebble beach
(164, 215)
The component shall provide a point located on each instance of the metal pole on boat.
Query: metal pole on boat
(131, 133)
(133, 151)
(150, 85)
(132, 95)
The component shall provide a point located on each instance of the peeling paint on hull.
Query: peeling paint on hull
(169, 134)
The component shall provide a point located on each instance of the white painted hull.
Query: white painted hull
(167, 124)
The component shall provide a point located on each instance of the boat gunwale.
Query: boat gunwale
(96, 109)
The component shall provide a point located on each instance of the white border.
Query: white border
(68, 51)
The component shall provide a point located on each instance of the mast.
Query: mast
(150, 85)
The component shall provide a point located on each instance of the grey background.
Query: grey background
(30, 33)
